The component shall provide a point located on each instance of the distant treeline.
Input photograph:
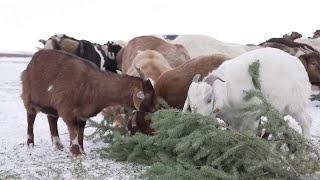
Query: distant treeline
(14, 55)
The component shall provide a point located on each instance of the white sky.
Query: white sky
(24, 22)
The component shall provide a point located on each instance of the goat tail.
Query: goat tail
(23, 78)
(25, 95)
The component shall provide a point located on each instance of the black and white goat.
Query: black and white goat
(101, 55)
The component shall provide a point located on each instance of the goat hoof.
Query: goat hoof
(58, 146)
(30, 142)
(76, 150)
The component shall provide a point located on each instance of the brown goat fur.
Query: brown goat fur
(152, 64)
(63, 85)
(174, 53)
(288, 43)
(173, 85)
(290, 50)
(292, 36)
(316, 34)
(119, 59)
(311, 62)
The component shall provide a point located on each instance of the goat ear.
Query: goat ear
(211, 78)
(196, 78)
(134, 119)
(140, 95)
(140, 73)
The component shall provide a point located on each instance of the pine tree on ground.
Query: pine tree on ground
(191, 146)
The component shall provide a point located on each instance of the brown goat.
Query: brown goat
(173, 85)
(292, 36)
(175, 54)
(289, 46)
(152, 64)
(63, 85)
(311, 62)
(316, 34)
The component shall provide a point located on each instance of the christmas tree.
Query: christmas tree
(191, 146)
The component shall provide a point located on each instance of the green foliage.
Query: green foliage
(315, 97)
(254, 73)
(106, 130)
(191, 146)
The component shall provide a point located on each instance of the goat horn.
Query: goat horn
(217, 77)
(140, 73)
(212, 78)
(42, 41)
(196, 78)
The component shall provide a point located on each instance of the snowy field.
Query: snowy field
(17, 161)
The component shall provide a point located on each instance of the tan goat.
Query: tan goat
(175, 54)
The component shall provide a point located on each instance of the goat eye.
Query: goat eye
(209, 100)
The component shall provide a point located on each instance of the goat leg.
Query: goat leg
(31, 116)
(53, 124)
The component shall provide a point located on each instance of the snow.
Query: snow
(17, 161)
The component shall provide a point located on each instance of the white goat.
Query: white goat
(198, 45)
(284, 83)
(313, 42)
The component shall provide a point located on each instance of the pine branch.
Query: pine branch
(315, 97)
(316, 152)
(287, 174)
(254, 73)
(255, 176)
(191, 146)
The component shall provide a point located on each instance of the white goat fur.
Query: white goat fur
(314, 43)
(284, 83)
(198, 45)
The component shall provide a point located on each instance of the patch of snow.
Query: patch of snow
(75, 141)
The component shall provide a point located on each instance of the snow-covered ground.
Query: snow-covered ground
(17, 161)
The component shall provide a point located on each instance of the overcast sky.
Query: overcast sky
(24, 22)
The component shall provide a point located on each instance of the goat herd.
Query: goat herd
(76, 79)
